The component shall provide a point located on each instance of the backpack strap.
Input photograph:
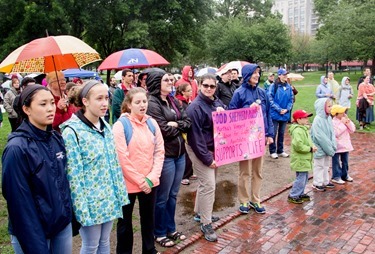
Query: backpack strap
(128, 128)
(151, 126)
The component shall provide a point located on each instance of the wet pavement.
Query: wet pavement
(340, 220)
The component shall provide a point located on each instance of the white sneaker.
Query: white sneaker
(284, 155)
(274, 156)
(349, 179)
(338, 181)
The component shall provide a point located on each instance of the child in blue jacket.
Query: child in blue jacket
(323, 136)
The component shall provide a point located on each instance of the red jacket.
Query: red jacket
(192, 81)
(61, 115)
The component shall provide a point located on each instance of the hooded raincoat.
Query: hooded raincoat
(346, 93)
(301, 157)
(163, 113)
(323, 89)
(185, 79)
(246, 95)
(335, 88)
(322, 132)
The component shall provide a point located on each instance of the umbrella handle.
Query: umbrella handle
(58, 83)
(57, 78)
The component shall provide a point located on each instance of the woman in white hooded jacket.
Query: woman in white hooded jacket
(346, 92)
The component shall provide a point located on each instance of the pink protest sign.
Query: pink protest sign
(238, 135)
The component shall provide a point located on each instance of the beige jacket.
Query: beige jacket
(8, 102)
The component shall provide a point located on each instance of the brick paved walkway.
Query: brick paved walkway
(341, 220)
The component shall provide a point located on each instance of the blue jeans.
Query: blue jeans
(279, 130)
(340, 171)
(299, 184)
(166, 195)
(95, 239)
(59, 244)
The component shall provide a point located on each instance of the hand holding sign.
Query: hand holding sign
(239, 135)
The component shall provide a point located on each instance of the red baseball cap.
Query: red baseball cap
(298, 114)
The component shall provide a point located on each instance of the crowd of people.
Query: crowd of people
(67, 171)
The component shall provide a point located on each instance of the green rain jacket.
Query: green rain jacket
(301, 158)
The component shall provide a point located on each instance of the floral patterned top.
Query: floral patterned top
(97, 185)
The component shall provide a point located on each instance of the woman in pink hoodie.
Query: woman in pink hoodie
(140, 149)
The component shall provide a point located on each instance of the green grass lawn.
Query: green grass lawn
(306, 93)
(313, 78)
(304, 100)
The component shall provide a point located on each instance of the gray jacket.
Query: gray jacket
(8, 102)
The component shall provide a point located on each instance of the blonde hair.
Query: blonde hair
(53, 74)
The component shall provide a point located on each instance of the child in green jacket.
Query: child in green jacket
(301, 159)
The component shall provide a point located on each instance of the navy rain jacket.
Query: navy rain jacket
(201, 134)
(35, 185)
(246, 95)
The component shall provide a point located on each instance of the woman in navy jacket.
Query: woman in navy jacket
(34, 181)
(201, 151)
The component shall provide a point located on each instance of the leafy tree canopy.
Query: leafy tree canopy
(348, 31)
(166, 26)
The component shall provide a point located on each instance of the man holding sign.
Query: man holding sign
(249, 94)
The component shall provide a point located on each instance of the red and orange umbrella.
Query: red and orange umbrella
(52, 53)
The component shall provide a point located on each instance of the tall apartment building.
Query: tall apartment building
(298, 15)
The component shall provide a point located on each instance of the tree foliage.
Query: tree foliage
(28, 20)
(169, 27)
(195, 31)
(301, 48)
(241, 38)
(348, 30)
(235, 8)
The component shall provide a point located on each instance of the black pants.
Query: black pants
(188, 167)
(14, 123)
(125, 225)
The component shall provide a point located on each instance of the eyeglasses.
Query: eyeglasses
(209, 86)
(60, 81)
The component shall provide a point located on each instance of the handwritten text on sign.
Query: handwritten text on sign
(238, 135)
